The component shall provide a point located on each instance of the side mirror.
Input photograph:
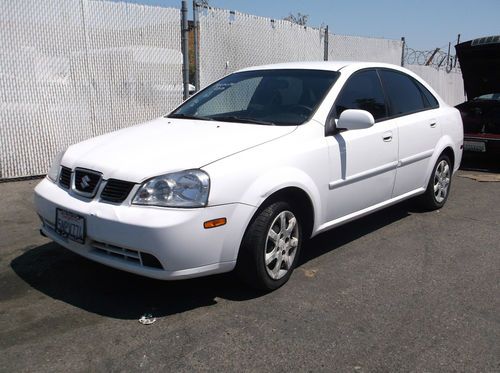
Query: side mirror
(354, 119)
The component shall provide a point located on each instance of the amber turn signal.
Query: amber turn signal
(214, 223)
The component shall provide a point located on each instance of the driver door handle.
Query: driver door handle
(387, 136)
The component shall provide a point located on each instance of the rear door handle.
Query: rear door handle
(387, 136)
(433, 124)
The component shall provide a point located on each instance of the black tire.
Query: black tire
(251, 266)
(432, 200)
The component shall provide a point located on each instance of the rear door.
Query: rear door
(412, 108)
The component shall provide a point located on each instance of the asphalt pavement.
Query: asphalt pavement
(398, 291)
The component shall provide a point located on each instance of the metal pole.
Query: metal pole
(403, 51)
(449, 62)
(185, 49)
(456, 58)
(431, 57)
(325, 54)
(196, 46)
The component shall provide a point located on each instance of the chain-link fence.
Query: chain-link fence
(73, 69)
(231, 40)
(357, 48)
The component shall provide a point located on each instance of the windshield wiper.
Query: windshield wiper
(187, 116)
(232, 118)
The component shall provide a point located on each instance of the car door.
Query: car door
(411, 107)
(363, 162)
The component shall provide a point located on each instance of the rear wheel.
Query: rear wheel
(439, 185)
(271, 247)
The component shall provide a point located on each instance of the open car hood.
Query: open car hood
(480, 60)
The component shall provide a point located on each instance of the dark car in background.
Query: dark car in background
(480, 63)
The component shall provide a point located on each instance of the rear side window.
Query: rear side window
(430, 101)
(362, 91)
(404, 95)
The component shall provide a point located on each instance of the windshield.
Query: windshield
(489, 96)
(269, 97)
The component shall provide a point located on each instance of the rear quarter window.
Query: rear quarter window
(429, 100)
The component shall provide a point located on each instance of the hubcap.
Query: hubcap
(441, 181)
(281, 245)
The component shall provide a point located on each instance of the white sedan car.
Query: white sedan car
(239, 175)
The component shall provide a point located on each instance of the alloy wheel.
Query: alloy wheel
(281, 245)
(441, 181)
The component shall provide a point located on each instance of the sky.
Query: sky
(426, 24)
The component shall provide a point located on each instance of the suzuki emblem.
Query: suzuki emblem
(84, 184)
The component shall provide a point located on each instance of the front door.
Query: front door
(363, 162)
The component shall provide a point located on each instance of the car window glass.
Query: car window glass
(231, 99)
(430, 100)
(403, 93)
(276, 96)
(362, 91)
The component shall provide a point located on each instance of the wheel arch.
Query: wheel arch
(451, 154)
(444, 146)
(291, 185)
(299, 200)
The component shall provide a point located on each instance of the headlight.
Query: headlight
(56, 165)
(179, 189)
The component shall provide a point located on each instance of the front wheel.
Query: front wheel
(439, 185)
(271, 246)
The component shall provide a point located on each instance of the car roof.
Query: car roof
(323, 65)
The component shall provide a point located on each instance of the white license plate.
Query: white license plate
(70, 225)
(475, 146)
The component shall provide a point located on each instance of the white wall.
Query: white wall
(450, 86)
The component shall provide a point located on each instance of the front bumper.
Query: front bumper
(118, 235)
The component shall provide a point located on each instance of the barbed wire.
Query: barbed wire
(436, 58)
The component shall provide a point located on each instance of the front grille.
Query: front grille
(65, 177)
(86, 182)
(116, 190)
(127, 255)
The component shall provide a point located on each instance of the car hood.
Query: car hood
(479, 60)
(166, 145)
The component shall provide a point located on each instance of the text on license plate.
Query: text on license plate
(70, 225)
(475, 146)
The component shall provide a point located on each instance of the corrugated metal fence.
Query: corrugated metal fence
(74, 69)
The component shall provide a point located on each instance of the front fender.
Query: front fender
(298, 160)
(275, 180)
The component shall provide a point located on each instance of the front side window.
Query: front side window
(404, 95)
(278, 97)
(362, 91)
